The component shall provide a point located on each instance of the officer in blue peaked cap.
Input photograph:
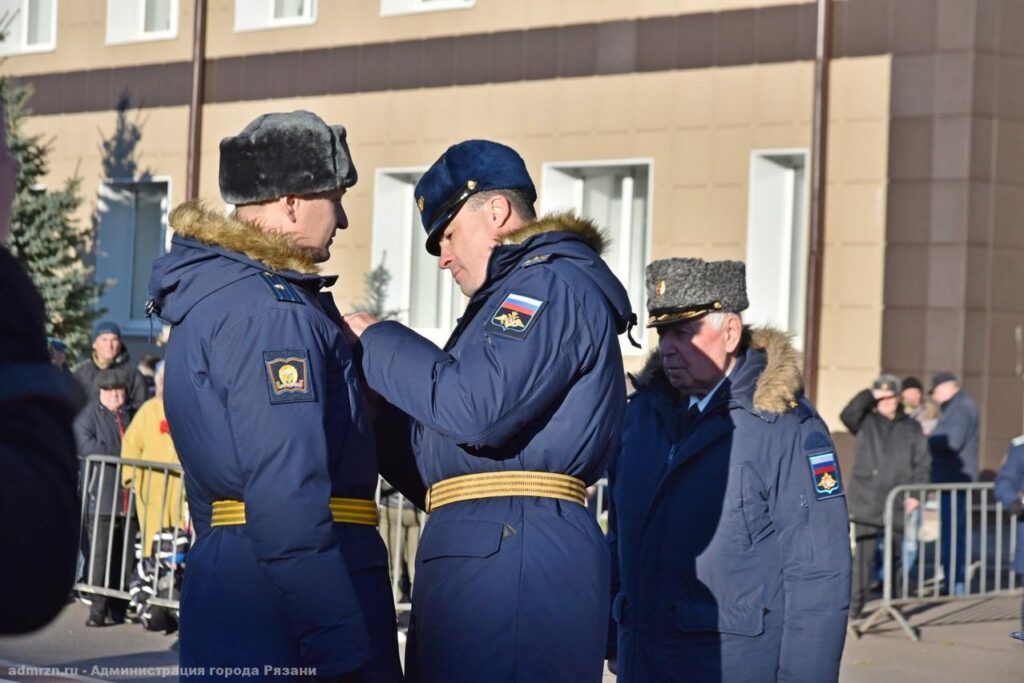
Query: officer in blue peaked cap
(512, 420)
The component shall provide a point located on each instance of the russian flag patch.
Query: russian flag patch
(515, 315)
(825, 474)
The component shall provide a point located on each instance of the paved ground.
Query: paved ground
(959, 642)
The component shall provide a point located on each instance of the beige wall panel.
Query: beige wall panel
(352, 22)
(76, 141)
(81, 43)
(855, 258)
(779, 89)
(854, 275)
(1003, 412)
(735, 95)
(730, 161)
(856, 212)
(694, 97)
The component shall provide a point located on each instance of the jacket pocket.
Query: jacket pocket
(699, 616)
(619, 608)
(462, 538)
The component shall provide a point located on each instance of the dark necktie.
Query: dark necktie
(692, 415)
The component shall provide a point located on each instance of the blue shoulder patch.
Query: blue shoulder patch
(828, 483)
(514, 317)
(288, 376)
(280, 288)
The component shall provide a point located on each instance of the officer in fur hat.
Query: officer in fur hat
(512, 420)
(263, 397)
(729, 520)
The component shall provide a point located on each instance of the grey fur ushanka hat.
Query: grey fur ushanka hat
(679, 289)
(282, 154)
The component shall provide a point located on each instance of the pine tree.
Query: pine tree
(45, 237)
(376, 282)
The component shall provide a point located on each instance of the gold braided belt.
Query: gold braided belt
(344, 510)
(500, 484)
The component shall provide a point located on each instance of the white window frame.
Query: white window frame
(549, 204)
(308, 18)
(390, 211)
(19, 28)
(134, 327)
(139, 33)
(395, 8)
(772, 281)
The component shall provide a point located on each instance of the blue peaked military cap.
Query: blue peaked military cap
(463, 170)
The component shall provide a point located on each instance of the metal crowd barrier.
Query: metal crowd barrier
(986, 533)
(123, 500)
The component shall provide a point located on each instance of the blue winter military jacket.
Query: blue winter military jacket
(514, 588)
(1010, 489)
(730, 537)
(264, 404)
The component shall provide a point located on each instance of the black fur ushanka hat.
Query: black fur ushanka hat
(283, 154)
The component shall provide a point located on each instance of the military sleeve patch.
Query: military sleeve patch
(825, 475)
(515, 316)
(288, 376)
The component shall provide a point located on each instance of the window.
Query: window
(133, 21)
(395, 7)
(777, 240)
(132, 232)
(616, 195)
(426, 296)
(28, 26)
(255, 15)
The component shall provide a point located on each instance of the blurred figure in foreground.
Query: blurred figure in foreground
(38, 504)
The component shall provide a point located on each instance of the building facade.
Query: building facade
(683, 127)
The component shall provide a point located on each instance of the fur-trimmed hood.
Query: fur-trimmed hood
(211, 251)
(567, 221)
(194, 220)
(560, 237)
(777, 386)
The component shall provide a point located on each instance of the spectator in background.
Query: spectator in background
(917, 406)
(1010, 492)
(38, 505)
(108, 353)
(99, 429)
(147, 369)
(148, 437)
(58, 353)
(406, 525)
(954, 449)
(890, 450)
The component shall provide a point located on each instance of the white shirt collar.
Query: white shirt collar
(702, 403)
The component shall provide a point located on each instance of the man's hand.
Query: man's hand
(881, 394)
(358, 322)
(910, 504)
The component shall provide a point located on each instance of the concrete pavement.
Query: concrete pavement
(960, 642)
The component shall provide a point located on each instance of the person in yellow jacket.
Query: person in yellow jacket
(158, 495)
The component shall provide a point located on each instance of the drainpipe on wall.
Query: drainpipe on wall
(819, 148)
(195, 114)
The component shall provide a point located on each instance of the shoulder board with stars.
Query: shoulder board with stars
(542, 258)
(1019, 441)
(280, 288)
